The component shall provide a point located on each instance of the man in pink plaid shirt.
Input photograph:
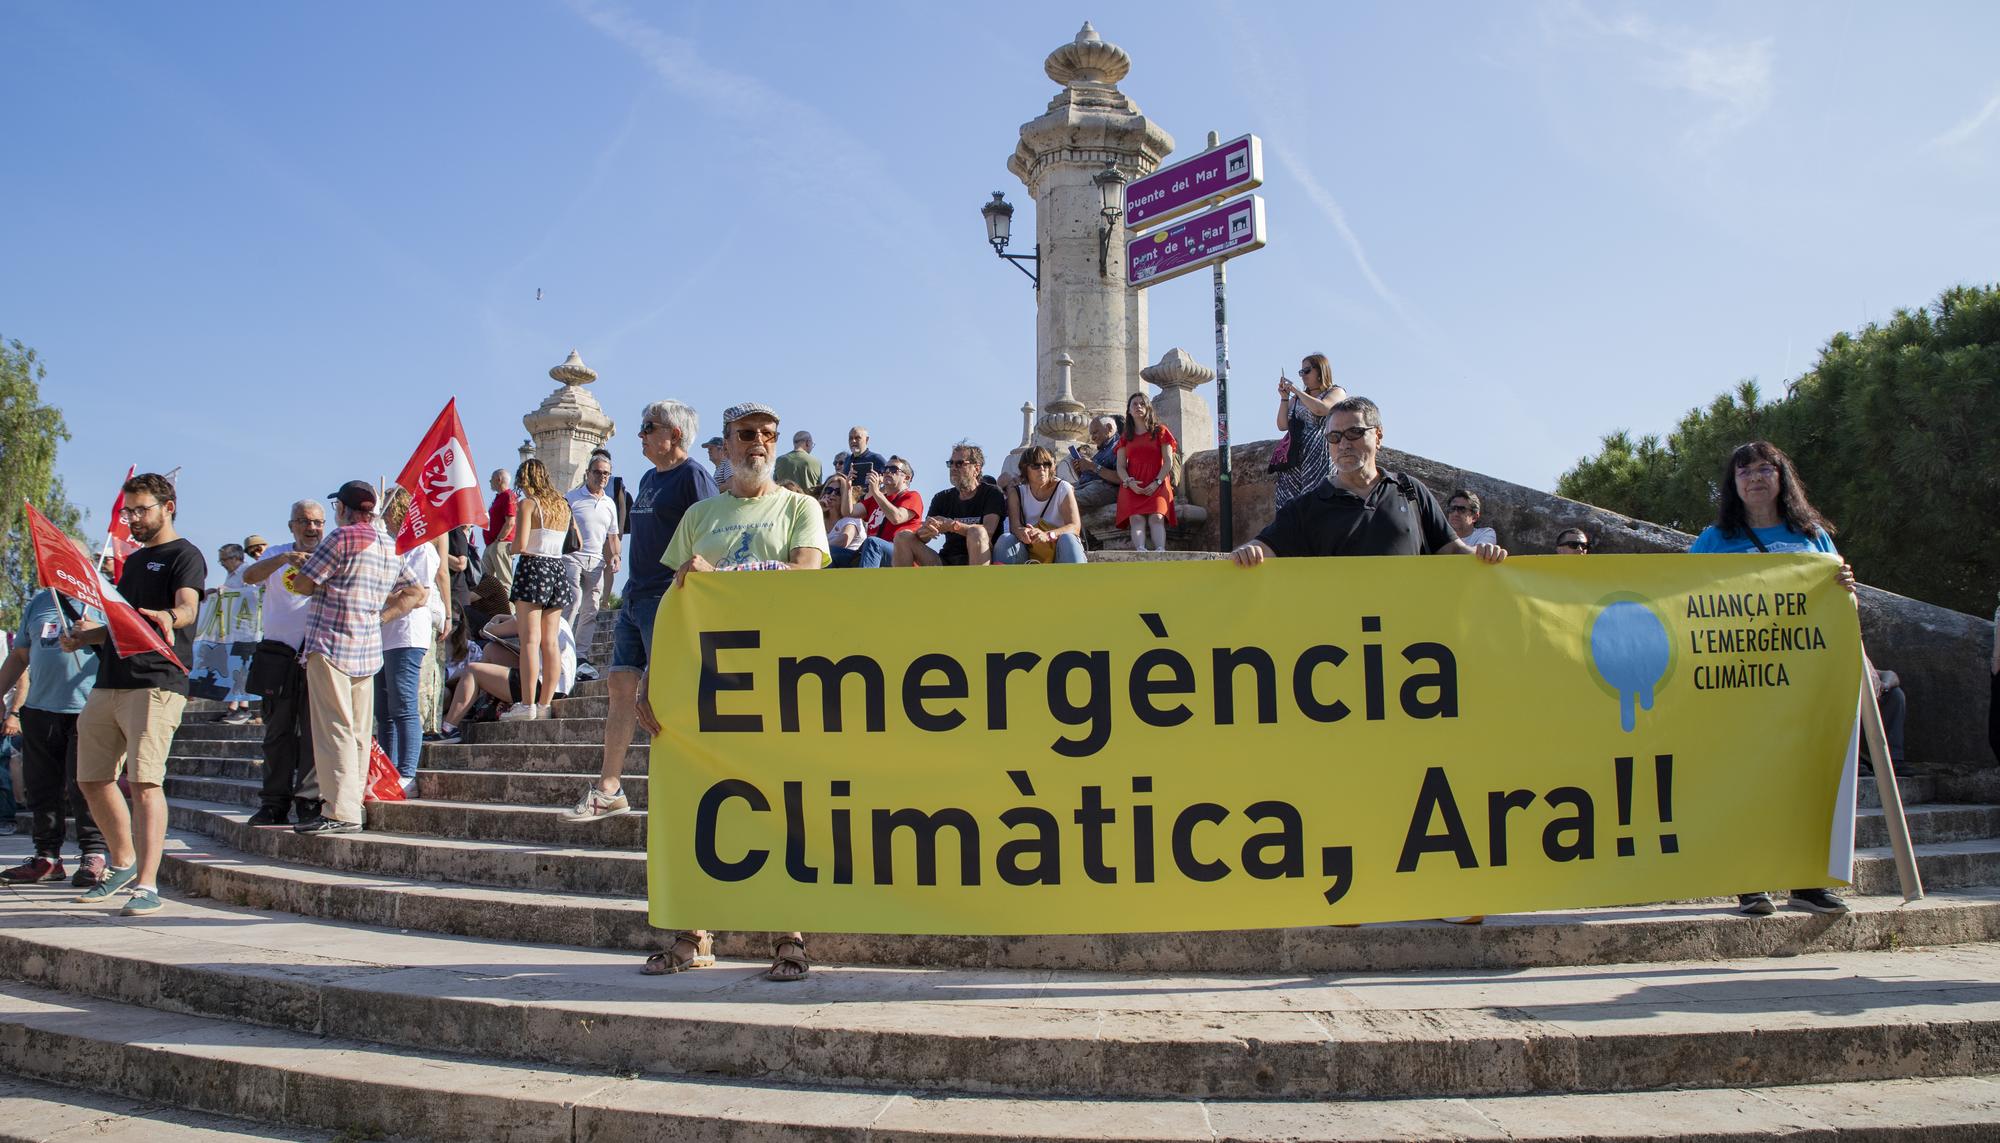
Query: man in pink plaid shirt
(357, 582)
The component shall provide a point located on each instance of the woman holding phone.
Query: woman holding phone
(1306, 409)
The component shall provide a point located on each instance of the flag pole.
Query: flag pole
(1907, 878)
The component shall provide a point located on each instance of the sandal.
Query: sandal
(665, 963)
(789, 965)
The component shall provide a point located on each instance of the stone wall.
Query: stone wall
(1943, 656)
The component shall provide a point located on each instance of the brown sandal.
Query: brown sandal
(665, 963)
(789, 960)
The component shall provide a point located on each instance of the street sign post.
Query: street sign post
(1219, 172)
(1234, 228)
(1210, 238)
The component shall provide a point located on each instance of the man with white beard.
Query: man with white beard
(753, 526)
(967, 515)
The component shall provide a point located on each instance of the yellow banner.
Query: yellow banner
(1126, 748)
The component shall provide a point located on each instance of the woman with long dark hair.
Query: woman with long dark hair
(1146, 491)
(1763, 507)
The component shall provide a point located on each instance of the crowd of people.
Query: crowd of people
(354, 644)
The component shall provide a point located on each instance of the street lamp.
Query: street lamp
(1111, 204)
(999, 227)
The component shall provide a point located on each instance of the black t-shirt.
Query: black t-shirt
(986, 501)
(151, 578)
(1398, 517)
(460, 545)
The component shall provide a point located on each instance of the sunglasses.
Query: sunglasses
(647, 427)
(752, 436)
(1457, 509)
(1040, 464)
(1573, 545)
(1353, 434)
(959, 464)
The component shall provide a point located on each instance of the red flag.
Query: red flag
(443, 484)
(118, 541)
(62, 567)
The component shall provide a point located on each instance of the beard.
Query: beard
(965, 480)
(758, 469)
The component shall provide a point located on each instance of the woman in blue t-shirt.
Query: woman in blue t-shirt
(1763, 508)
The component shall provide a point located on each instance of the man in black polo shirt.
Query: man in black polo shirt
(1361, 509)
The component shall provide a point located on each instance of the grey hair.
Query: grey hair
(978, 454)
(1107, 421)
(505, 476)
(685, 422)
(298, 504)
(1371, 417)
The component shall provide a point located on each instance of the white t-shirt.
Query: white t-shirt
(414, 627)
(1480, 536)
(595, 517)
(284, 609)
(860, 533)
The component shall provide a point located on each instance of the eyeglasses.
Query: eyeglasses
(1041, 464)
(1460, 509)
(961, 464)
(1573, 545)
(600, 473)
(1767, 471)
(752, 436)
(1353, 434)
(134, 511)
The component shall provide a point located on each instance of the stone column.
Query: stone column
(1094, 317)
(1179, 407)
(568, 424)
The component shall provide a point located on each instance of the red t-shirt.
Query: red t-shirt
(500, 517)
(878, 521)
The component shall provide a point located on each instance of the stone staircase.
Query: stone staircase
(467, 970)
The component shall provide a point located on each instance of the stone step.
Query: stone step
(1915, 789)
(1815, 1018)
(454, 821)
(544, 868)
(1929, 822)
(46, 1113)
(568, 730)
(529, 757)
(593, 898)
(365, 1090)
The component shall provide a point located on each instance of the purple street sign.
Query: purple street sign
(1222, 170)
(1235, 227)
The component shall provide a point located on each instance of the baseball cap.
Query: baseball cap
(712, 442)
(358, 495)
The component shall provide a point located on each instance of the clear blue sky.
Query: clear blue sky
(266, 242)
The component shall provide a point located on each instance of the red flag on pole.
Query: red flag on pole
(62, 567)
(118, 541)
(443, 484)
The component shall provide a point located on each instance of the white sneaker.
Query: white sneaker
(409, 787)
(520, 712)
(596, 805)
(547, 710)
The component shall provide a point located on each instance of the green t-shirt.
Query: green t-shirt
(729, 531)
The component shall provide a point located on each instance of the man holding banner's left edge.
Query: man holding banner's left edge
(754, 525)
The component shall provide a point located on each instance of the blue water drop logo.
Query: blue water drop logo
(1629, 647)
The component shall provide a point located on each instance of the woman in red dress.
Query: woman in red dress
(1145, 494)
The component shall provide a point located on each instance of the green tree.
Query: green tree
(1892, 430)
(30, 432)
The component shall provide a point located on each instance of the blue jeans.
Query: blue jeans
(399, 725)
(1009, 550)
(872, 553)
(633, 636)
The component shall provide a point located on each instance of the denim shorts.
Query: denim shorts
(634, 633)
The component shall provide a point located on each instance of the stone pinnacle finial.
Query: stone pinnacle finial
(1087, 59)
(573, 371)
(1177, 369)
